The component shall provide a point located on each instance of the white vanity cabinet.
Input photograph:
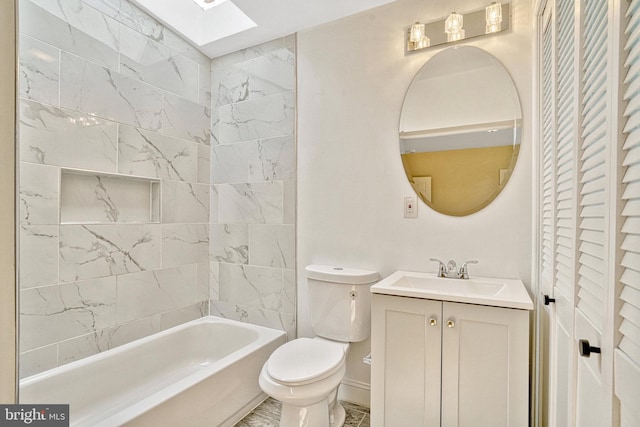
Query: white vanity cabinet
(441, 363)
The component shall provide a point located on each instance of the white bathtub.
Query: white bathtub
(201, 373)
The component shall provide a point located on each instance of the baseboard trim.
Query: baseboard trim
(355, 392)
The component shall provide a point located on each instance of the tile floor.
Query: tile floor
(267, 414)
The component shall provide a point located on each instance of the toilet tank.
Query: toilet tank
(340, 302)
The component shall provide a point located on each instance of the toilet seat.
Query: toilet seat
(304, 361)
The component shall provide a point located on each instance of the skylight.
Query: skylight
(201, 21)
(208, 4)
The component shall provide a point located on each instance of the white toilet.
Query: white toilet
(304, 374)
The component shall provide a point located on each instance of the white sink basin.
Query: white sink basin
(510, 293)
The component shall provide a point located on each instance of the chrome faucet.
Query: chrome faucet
(450, 270)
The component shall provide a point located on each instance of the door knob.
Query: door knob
(548, 300)
(433, 321)
(450, 324)
(586, 349)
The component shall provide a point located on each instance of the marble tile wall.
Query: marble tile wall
(253, 176)
(105, 88)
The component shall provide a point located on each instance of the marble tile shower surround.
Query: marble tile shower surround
(252, 231)
(106, 89)
(119, 36)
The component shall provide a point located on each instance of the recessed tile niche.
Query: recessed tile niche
(96, 198)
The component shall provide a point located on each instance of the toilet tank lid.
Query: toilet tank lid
(335, 274)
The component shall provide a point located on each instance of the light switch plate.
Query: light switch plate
(410, 207)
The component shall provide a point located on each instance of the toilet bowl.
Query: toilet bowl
(304, 374)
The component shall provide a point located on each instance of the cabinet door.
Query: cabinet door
(405, 352)
(485, 376)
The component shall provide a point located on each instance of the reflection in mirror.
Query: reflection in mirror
(460, 130)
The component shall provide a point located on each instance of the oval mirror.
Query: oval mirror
(460, 130)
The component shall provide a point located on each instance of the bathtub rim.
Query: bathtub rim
(140, 341)
(264, 337)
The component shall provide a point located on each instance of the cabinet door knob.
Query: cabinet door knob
(586, 349)
(433, 321)
(450, 324)
(548, 300)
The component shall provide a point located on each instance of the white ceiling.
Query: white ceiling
(238, 24)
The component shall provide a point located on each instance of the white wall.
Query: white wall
(352, 78)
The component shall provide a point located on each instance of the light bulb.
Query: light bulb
(424, 42)
(493, 13)
(453, 23)
(453, 27)
(417, 33)
(493, 28)
(493, 18)
(458, 35)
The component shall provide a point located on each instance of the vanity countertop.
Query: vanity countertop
(491, 291)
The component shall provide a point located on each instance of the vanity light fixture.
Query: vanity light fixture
(208, 4)
(488, 20)
(493, 17)
(453, 27)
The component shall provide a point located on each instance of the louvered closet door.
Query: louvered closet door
(565, 213)
(592, 395)
(576, 130)
(627, 363)
(558, 203)
(547, 208)
(548, 131)
(595, 237)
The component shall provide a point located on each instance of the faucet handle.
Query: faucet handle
(464, 273)
(442, 269)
